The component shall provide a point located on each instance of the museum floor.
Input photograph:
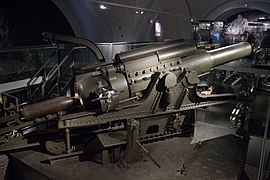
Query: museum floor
(221, 158)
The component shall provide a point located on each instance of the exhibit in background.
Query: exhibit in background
(207, 34)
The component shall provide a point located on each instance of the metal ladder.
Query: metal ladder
(53, 79)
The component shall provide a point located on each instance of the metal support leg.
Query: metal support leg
(148, 154)
(105, 157)
(68, 149)
(133, 151)
(115, 154)
(262, 164)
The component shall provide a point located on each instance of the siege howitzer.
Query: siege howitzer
(152, 85)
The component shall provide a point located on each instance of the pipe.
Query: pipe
(77, 40)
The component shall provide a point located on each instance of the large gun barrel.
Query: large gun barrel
(149, 49)
(132, 75)
(204, 62)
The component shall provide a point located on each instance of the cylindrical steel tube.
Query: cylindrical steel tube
(155, 58)
(204, 62)
(149, 49)
(68, 149)
(177, 51)
(44, 108)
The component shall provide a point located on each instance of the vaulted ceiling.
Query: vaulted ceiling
(120, 22)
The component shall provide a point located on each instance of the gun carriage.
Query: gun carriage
(143, 95)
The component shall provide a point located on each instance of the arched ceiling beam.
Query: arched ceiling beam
(227, 14)
(138, 8)
(262, 5)
(189, 9)
(71, 17)
(217, 7)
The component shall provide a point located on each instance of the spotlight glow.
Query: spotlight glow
(103, 7)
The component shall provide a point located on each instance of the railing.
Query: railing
(25, 68)
(56, 69)
(42, 72)
(109, 49)
(11, 110)
(21, 63)
(56, 72)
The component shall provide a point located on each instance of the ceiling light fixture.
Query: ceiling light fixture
(103, 7)
(140, 12)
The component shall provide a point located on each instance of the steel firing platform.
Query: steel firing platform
(221, 158)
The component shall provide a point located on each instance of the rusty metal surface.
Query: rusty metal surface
(44, 108)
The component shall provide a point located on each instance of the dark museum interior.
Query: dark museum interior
(135, 89)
